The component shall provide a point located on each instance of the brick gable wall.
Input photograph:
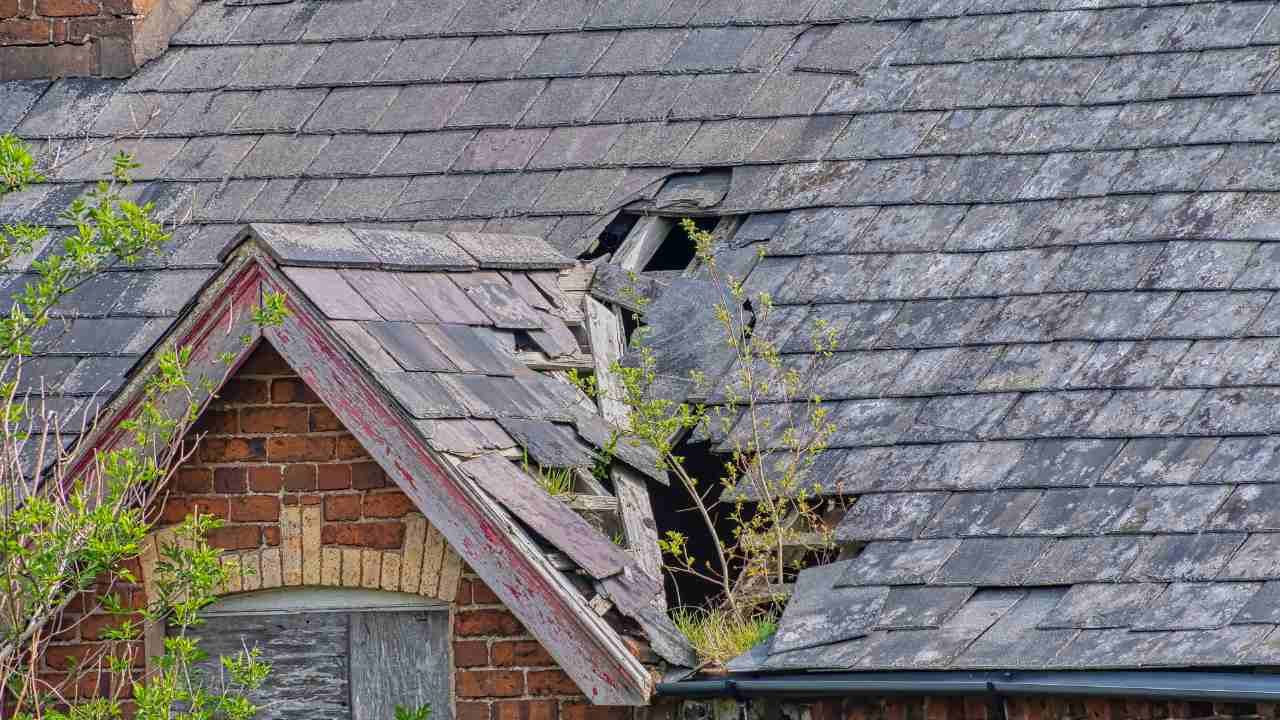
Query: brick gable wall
(272, 447)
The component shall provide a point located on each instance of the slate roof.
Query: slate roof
(1043, 230)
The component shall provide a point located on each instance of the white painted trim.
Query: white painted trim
(322, 599)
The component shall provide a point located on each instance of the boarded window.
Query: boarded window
(336, 665)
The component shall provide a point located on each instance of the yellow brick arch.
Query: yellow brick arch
(425, 564)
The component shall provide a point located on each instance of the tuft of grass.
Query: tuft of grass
(558, 482)
(719, 636)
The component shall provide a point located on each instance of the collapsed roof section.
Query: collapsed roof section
(423, 345)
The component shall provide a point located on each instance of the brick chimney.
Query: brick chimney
(46, 39)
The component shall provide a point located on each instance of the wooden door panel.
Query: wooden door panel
(399, 658)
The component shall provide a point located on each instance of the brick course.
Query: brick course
(502, 673)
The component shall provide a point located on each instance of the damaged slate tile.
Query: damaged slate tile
(819, 614)
(891, 516)
(916, 608)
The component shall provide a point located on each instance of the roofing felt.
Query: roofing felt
(1043, 231)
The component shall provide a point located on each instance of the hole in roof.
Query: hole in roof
(678, 250)
(613, 235)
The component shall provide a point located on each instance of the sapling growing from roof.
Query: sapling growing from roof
(770, 450)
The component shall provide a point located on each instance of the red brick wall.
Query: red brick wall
(108, 38)
(270, 443)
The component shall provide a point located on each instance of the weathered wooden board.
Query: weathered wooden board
(308, 655)
(548, 517)
(399, 659)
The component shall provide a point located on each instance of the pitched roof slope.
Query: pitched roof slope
(1044, 233)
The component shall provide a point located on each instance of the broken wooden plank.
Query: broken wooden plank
(548, 517)
(636, 510)
(643, 242)
(591, 503)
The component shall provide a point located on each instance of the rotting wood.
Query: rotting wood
(550, 518)
(587, 649)
(636, 509)
(399, 658)
(642, 242)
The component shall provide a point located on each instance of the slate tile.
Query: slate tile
(204, 68)
(792, 139)
(1099, 606)
(1242, 459)
(1200, 647)
(830, 278)
(1250, 507)
(349, 63)
(130, 114)
(723, 142)
(971, 466)
(711, 49)
(1091, 220)
(715, 96)
(353, 154)
(276, 66)
(569, 101)
(422, 394)
(822, 231)
(1157, 461)
(210, 25)
(418, 60)
(1145, 412)
(981, 514)
(853, 46)
(493, 58)
(1263, 607)
(279, 110)
(1226, 362)
(448, 301)
(1076, 511)
(1000, 227)
(1239, 119)
(1244, 167)
(419, 153)
(1165, 169)
(281, 155)
(645, 143)
(991, 561)
(898, 563)
(275, 23)
(501, 195)
(1111, 648)
(67, 108)
(1193, 216)
(964, 417)
(639, 51)
(579, 191)
(496, 149)
(576, 147)
(496, 103)
(933, 323)
(351, 109)
(352, 20)
(973, 131)
(958, 85)
(918, 276)
(914, 608)
(1141, 77)
(510, 252)
(207, 112)
(1086, 559)
(1209, 26)
(1234, 411)
(1212, 314)
(890, 516)
(228, 201)
(1106, 267)
(902, 228)
(1184, 557)
(1056, 81)
(397, 303)
(876, 135)
(1237, 71)
(1256, 559)
(1116, 315)
(361, 198)
(290, 200)
(788, 94)
(1194, 265)
(875, 90)
(1015, 641)
(19, 96)
(818, 616)
(1172, 509)
(315, 245)
(423, 107)
(866, 422)
(944, 370)
(557, 15)
(897, 181)
(1062, 463)
(1029, 318)
(1131, 364)
(1036, 366)
(410, 348)
(414, 251)
(993, 178)
(1067, 175)
(331, 293)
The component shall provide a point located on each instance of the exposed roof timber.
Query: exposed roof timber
(583, 644)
